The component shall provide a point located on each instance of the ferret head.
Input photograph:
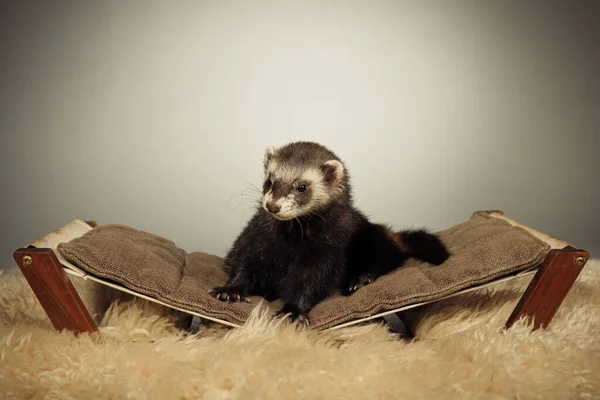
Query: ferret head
(300, 178)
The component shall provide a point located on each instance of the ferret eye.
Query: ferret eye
(268, 183)
(301, 188)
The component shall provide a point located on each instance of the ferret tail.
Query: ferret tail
(424, 246)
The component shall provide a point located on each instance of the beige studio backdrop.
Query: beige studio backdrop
(154, 113)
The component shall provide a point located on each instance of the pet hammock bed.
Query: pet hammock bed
(488, 248)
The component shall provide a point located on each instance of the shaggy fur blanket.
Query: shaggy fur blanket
(464, 353)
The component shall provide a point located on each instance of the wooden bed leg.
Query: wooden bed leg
(54, 290)
(549, 286)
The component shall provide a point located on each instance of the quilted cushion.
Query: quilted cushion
(483, 248)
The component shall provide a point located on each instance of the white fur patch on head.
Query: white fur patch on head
(281, 172)
(271, 168)
(288, 206)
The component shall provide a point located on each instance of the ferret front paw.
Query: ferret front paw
(359, 281)
(229, 294)
(294, 316)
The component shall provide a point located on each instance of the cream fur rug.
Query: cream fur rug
(141, 354)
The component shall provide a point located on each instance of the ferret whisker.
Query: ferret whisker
(237, 194)
(241, 194)
(301, 228)
(247, 199)
(308, 219)
(316, 213)
(244, 213)
(254, 187)
(253, 195)
(245, 204)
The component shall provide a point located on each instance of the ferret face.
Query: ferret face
(297, 183)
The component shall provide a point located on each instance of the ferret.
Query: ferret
(306, 239)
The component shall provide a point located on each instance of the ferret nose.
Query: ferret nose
(273, 208)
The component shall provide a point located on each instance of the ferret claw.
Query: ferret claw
(228, 295)
(301, 319)
(359, 282)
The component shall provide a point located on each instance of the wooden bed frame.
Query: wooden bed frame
(554, 278)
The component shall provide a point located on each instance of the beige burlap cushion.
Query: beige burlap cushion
(483, 249)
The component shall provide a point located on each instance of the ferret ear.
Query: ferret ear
(333, 171)
(269, 153)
